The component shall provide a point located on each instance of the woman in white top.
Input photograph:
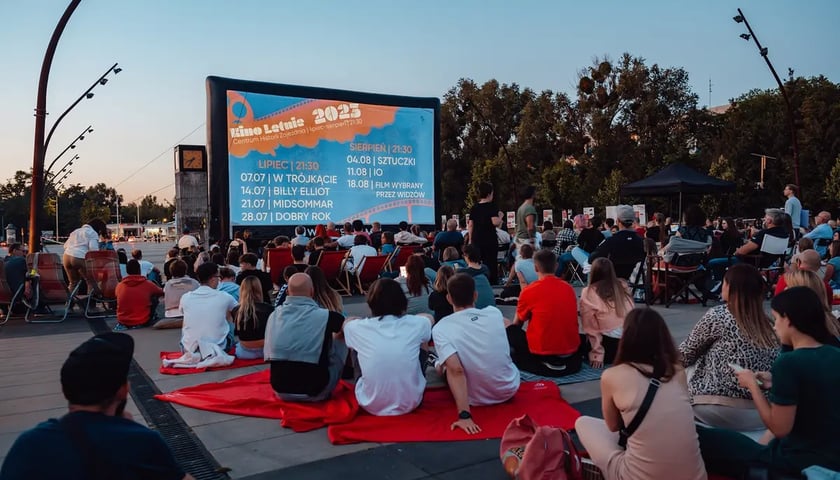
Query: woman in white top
(603, 305)
(82, 240)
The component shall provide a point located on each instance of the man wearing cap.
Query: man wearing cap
(626, 248)
(186, 241)
(96, 438)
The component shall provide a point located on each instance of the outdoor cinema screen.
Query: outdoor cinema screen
(304, 156)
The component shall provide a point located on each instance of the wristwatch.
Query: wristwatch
(464, 415)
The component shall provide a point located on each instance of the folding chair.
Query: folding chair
(7, 296)
(48, 287)
(102, 275)
(774, 252)
(368, 272)
(640, 281)
(331, 262)
(276, 260)
(575, 273)
(400, 256)
(503, 259)
(676, 280)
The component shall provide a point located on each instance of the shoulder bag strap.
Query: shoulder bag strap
(653, 386)
(95, 465)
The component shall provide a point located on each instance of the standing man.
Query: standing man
(484, 218)
(473, 353)
(187, 241)
(526, 219)
(793, 208)
(96, 438)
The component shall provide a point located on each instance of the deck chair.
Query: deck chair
(368, 272)
(276, 260)
(8, 297)
(640, 281)
(102, 275)
(400, 256)
(48, 287)
(331, 262)
(771, 262)
(684, 265)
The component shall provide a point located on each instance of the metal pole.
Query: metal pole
(56, 214)
(791, 124)
(68, 147)
(37, 196)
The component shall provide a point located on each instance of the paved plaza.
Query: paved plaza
(241, 447)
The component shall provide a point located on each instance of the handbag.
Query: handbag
(654, 384)
(532, 452)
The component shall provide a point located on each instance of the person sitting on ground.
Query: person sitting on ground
(415, 286)
(249, 320)
(147, 268)
(472, 353)
(524, 267)
(299, 258)
(232, 261)
(805, 278)
(551, 344)
(665, 443)
(452, 258)
(388, 345)
(218, 258)
(171, 256)
(449, 238)
(801, 409)
(300, 237)
(738, 332)
(358, 252)
(248, 267)
(405, 237)
(93, 438)
(175, 288)
(808, 260)
(832, 269)
(603, 305)
(227, 282)
(137, 299)
(480, 274)
(438, 303)
(324, 295)
(625, 248)
(288, 271)
(303, 343)
(207, 312)
(201, 258)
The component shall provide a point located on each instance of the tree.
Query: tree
(832, 184)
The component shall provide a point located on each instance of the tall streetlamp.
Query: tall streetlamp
(41, 144)
(740, 18)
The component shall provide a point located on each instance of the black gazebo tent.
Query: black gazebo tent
(677, 179)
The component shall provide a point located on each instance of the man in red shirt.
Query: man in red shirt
(137, 299)
(551, 344)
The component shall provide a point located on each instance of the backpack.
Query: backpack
(532, 452)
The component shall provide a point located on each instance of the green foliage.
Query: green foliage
(832, 184)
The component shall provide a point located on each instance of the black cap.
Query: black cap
(96, 369)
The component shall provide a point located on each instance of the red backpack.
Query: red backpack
(531, 452)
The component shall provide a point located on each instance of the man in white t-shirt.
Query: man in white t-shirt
(390, 352)
(207, 312)
(358, 252)
(186, 241)
(473, 353)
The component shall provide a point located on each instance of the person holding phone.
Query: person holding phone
(800, 411)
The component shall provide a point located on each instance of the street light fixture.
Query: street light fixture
(72, 146)
(740, 18)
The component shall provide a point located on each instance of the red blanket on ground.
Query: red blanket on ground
(251, 396)
(237, 363)
(432, 420)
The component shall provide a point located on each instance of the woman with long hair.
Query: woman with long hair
(250, 318)
(603, 306)
(324, 294)
(738, 332)
(437, 299)
(807, 278)
(416, 285)
(665, 443)
(801, 409)
(731, 240)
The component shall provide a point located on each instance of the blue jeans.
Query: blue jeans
(719, 265)
(246, 353)
(577, 254)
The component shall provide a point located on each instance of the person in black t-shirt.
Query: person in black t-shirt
(481, 230)
(625, 248)
(248, 265)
